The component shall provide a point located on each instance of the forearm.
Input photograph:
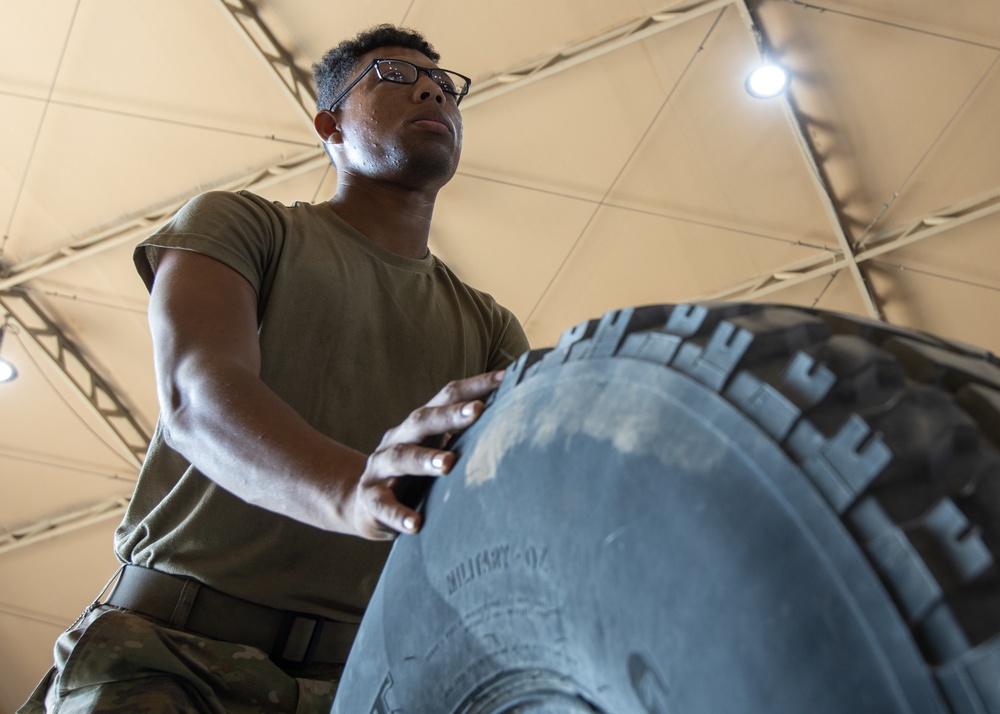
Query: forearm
(239, 433)
(220, 415)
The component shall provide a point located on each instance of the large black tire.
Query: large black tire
(733, 508)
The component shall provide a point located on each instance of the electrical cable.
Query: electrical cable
(38, 132)
(642, 211)
(887, 23)
(625, 165)
(860, 242)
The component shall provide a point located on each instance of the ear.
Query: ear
(327, 127)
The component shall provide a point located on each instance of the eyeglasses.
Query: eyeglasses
(402, 72)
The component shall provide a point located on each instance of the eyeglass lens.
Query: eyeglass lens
(405, 73)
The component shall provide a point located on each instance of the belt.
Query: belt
(290, 639)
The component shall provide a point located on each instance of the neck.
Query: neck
(395, 218)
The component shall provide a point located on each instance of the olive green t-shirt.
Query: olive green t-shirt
(354, 338)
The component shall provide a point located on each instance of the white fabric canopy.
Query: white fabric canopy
(612, 157)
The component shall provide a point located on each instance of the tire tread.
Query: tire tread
(898, 431)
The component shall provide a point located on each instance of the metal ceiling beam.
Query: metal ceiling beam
(932, 224)
(635, 31)
(47, 528)
(484, 90)
(98, 395)
(296, 81)
(83, 378)
(816, 172)
(134, 229)
(126, 436)
(831, 262)
(81, 469)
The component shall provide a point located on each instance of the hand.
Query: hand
(411, 449)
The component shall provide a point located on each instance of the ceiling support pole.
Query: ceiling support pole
(815, 169)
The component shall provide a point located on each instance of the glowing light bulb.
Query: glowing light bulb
(768, 80)
(7, 371)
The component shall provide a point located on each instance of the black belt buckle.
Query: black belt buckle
(291, 649)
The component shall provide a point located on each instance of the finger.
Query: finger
(429, 421)
(469, 389)
(386, 516)
(407, 459)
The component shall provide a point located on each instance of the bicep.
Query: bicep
(203, 317)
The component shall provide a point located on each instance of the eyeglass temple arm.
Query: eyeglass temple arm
(351, 85)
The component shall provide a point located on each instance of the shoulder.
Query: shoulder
(230, 205)
(239, 213)
(240, 229)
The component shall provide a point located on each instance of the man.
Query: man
(287, 342)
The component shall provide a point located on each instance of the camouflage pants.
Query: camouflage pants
(116, 661)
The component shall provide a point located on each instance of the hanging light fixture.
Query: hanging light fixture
(7, 371)
(768, 80)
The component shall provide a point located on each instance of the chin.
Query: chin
(431, 168)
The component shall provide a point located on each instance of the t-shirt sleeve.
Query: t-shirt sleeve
(234, 228)
(510, 341)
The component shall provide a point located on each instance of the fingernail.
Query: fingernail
(409, 522)
(498, 377)
(437, 461)
(469, 409)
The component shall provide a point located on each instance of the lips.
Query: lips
(434, 116)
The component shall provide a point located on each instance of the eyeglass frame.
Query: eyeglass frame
(426, 70)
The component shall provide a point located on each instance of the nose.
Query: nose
(427, 88)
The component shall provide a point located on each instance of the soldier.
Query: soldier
(288, 342)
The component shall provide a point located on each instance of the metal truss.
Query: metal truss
(66, 523)
(96, 393)
(296, 81)
(126, 435)
(101, 400)
(134, 229)
(639, 29)
(847, 257)
(83, 468)
(817, 174)
(646, 27)
(829, 262)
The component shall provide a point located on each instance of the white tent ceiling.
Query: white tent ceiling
(612, 157)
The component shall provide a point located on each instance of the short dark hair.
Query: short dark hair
(335, 70)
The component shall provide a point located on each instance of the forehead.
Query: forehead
(392, 52)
